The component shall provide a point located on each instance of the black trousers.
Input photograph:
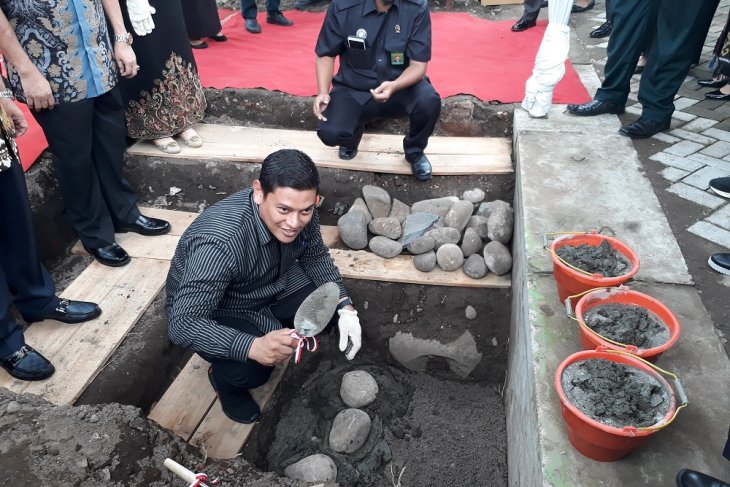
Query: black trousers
(676, 29)
(87, 139)
(346, 116)
(249, 10)
(532, 10)
(23, 279)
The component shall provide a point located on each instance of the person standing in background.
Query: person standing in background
(201, 21)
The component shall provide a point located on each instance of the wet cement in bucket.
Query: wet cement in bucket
(628, 324)
(596, 259)
(615, 394)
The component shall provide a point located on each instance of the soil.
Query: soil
(615, 394)
(596, 259)
(628, 324)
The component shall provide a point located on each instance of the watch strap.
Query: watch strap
(345, 302)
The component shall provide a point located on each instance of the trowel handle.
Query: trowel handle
(679, 389)
(180, 471)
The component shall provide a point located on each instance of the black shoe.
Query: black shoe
(523, 24)
(643, 128)
(422, 168)
(720, 262)
(200, 45)
(347, 154)
(112, 255)
(595, 107)
(68, 311)
(239, 406)
(277, 18)
(717, 95)
(27, 364)
(145, 225)
(252, 25)
(603, 30)
(712, 83)
(577, 9)
(692, 478)
(721, 186)
(219, 38)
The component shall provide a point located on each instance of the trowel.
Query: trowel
(313, 315)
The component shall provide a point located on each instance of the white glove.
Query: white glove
(140, 15)
(349, 326)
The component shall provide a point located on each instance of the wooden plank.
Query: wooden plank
(161, 247)
(186, 402)
(223, 438)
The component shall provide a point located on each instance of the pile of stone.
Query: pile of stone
(349, 432)
(451, 232)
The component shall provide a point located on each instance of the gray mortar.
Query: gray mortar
(601, 259)
(629, 324)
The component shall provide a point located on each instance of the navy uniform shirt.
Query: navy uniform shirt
(392, 39)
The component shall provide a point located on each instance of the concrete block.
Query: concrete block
(689, 135)
(684, 148)
(717, 134)
(721, 217)
(666, 138)
(673, 174)
(683, 102)
(562, 121)
(698, 124)
(710, 161)
(719, 149)
(695, 195)
(676, 161)
(710, 232)
(700, 179)
(685, 117)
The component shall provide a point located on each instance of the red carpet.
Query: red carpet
(470, 56)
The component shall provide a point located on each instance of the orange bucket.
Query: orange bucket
(589, 339)
(601, 442)
(571, 282)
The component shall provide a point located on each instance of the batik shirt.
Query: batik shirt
(8, 149)
(68, 42)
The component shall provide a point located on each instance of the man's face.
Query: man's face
(285, 211)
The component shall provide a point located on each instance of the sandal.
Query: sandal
(191, 138)
(167, 145)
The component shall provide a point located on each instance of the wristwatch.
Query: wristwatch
(125, 38)
(6, 94)
(343, 303)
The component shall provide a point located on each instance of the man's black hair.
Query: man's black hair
(288, 168)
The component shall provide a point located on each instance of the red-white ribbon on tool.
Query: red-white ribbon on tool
(303, 342)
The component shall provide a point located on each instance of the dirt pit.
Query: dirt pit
(628, 324)
(615, 394)
(596, 259)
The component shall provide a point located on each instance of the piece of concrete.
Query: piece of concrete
(475, 267)
(359, 205)
(353, 229)
(444, 235)
(437, 206)
(358, 389)
(385, 247)
(425, 262)
(314, 468)
(474, 196)
(471, 243)
(459, 214)
(449, 257)
(386, 227)
(377, 199)
(500, 224)
(414, 353)
(416, 225)
(421, 245)
(399, 210)
(350, 430)
(480, 224)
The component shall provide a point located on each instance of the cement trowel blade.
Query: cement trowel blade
(316, 311)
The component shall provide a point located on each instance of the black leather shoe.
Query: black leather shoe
(422, 168)
(69, 311)
(27, 364)
(692, 478)
(717, 95)
(112, 255)
(712, 83)
(347, 154)
(252, 25)
(577, 8)
(239, 406)
(277, 18)
(595, 107)
(523, 24)
(145, 225)
(644, 128)
(604, 30)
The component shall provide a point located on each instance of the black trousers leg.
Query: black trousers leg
(343, 126)
(248, 9)
(272, 5)
(11, 336)
(423, 106)
(532, 10)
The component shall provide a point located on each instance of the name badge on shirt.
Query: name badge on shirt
(397, 58)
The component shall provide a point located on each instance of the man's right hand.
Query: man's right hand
(273, 348)
(320, 105)
(37, 91)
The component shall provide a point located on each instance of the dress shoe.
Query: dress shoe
(712, 83)
(692, 478)
(219, 38)
(523, 24)
(199, 45)
(347, 154)
(112, 255)
(27, 364)
(238, 405)
(717, 95)
(644, 128)
(277, 18)
(604, 30)
(422, 168)
(578, 8)
(252, 25)
(303, 4)
(595, 107)
(145, 225)
(68, 311)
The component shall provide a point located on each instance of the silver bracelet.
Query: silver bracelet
(7, 94)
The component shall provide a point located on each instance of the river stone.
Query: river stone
(449, 257)
(458, 215)
(378, 201)
(498, 258)
(444, 235)
(358, 389)
(471, 243)
(500, 224)
(385, 247)
(360, 205)
(399, 210)
(438, 206)
(421, 245)
(475, 267)
(485, 209)
(470, 312)
(314, 468)
(479, 223)
(353, 228)
(425, 262)
(415, 225)
(387, 227)
(475, 195)
(350, 430)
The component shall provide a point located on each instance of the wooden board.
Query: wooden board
(378, 152)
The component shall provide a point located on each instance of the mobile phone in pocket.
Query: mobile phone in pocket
(354, 42)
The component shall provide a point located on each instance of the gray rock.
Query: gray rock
(458, 215)
(449, 257)
(437, 206)
(475, 195)
(399, 210)
(385, 247)
(498, 258)
(353, 228)
(485, 209)
(479, 223)
(470, 312)
(94, 418)
(415, 225)
(386, 227)
(475, 267)
(360, 205)
(443, 236)
(378, 201)
(12, 407)
(314, 468)
(425, 262)
(500, 224)
(358, 389)
(471, 243)
(421, 245)
(350, 430)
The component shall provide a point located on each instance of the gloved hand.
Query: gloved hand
(140, 15)
(349, 326)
